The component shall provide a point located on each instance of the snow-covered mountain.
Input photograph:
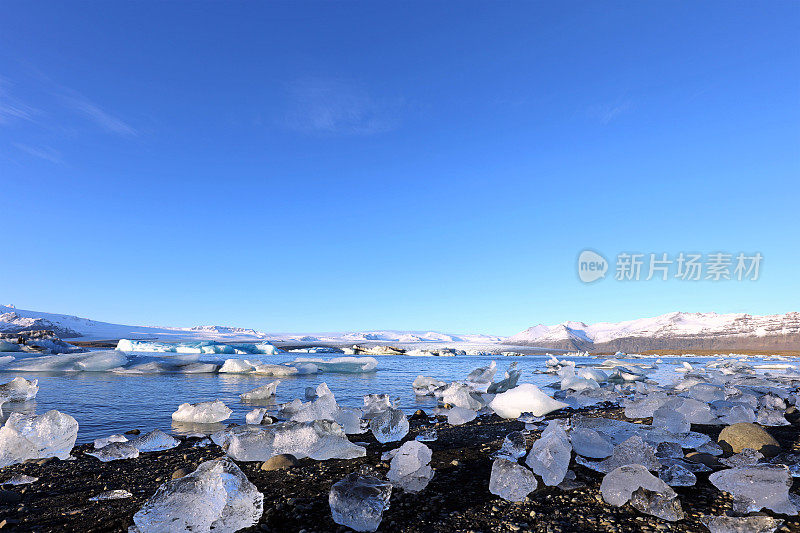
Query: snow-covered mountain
(671, 331)
(13, 320)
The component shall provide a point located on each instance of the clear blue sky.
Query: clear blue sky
(320, 166)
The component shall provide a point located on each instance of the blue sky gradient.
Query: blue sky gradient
(322, 166)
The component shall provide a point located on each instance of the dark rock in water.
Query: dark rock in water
(133, 432)
(419, 415)
(279, 462)
(704, 459)
(735, 438)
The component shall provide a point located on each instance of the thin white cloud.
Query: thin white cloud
(333, 106)
(48, 154)
(97, 115)
(12, 108)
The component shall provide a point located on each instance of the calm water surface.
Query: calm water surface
(106, 403)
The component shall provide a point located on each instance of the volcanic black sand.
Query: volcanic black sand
(296, 499)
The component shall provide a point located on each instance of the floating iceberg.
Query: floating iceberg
(507, 383)
(525, 398)
(358, 502)
(426, 386)
(461, 395)
(19, 390)
(6, 346)
(511, 481)
(256, 416)
(215, 497)
(480, 378)
(197, 347)
(323, 406)
(245, 366)
(99, 361)
(320, 440)
(202, 413)
(24, 437)
(344, 365)
(264, 392)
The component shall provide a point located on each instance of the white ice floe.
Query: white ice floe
(99, 361)
(344, 365)
(217, 496)
(202, 413)
(410, 467)
(358, 502)
(525, 398)
(263, 392)
(246, 366)
(319, 440)
(510, 480)
(24, 437)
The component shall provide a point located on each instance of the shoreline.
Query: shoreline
(296, 499)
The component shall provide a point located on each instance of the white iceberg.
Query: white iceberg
(202, 413)
(344, 365)
(261, 393)
(99, 361)
(525, 398)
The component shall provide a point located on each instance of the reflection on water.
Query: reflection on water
(106, 403)
(190, 428)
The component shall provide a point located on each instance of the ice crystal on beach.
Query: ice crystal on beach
(155, 441)
(24, 437)
(117, 494)
(746, 457)
(632, 451)
(256, 416)
(426, 386)
(389, 425)
(105, 441)
(217, 496)
(525, 398)
(589, 443)
(619, 485)
(757, 487)
(427, 435)
(480, 378)
(409, 468)
(20, 479)
(677, 475)
(202, 413)
(550, 455)
(115, 451)
(513, 446)
(663, 505)
(510, 480)
(358, 501)
(460, 415)
(742, 524)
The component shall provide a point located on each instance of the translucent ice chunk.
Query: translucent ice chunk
(550, 455)
(358, 501)
(202, 413)
(480, 378)
(771, 417)
(461, 395)
(525, 398)
(115, 451)
(590, 443)
(24, 437)
(350, 420)
(375, 403)
(742, 524)
(513, 446)
(264, 392)
(427, 435)
(116, 494)
(664, 506)
(511, 481)
(507, 383)
(644, 406)
(155, 441)
(215, 497)
(757, 487)
(677, 475)
(670, 420)
(619, 485)
(20, 479)
(256, 416)
(389, 425)
(746, 457)
(320, 440)
(410, 467)
(19, 390)
(425, 386)
(632, 451)
(460, 415)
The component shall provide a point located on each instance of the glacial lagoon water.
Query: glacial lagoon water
(105, 403)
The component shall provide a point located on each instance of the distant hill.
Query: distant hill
(675, 331)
